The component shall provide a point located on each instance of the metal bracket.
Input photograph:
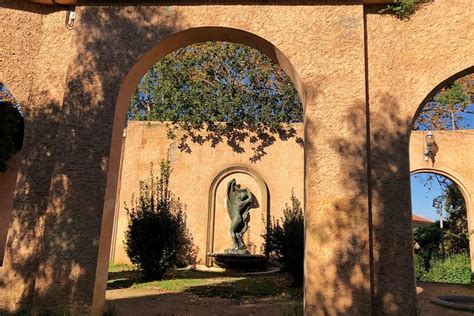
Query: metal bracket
(70, 17)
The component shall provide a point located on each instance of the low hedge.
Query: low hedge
(454, 269)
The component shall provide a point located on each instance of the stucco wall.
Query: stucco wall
(33, 64)
(282, 169)
(351, 65)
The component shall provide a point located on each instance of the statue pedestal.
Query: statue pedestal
(240, 262)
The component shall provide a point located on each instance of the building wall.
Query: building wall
(361, 76)
(146, 143)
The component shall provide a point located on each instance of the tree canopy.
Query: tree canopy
(449, 108)
(219, 91)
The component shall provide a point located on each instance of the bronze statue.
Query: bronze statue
(239, 202)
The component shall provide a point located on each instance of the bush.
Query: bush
(429, 239)
(157, 238)
(285, 242)
(454, 269)
(420, 267)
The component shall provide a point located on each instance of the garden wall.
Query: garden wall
(146, 143)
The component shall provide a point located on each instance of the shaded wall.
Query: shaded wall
(7, 190)
(282, 169)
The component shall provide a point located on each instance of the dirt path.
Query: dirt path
(153, 302)
(131, 301)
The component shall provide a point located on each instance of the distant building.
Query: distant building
(420, 221)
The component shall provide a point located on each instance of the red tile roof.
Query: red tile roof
(420, 219)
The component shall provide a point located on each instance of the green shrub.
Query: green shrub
(403, 8)
(285, 242)
(157, 238)
(420, 268)
(429, 239)
(454, 269)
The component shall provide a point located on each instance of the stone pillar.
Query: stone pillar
(7, 189)
(394, 291)
(337, 258)
(37, 72)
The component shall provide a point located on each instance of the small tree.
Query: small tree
(429, 239)
(285, 242)
(11, 131)
(157, 238)
(456, 235)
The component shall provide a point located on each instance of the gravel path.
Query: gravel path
(154, 302)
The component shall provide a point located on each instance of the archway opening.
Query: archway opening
(200, 110)
(440, 229)
(441, 186)
(11, 141)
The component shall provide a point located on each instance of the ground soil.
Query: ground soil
(131, 301)
(153, 302)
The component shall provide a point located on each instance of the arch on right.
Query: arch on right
(441, 139)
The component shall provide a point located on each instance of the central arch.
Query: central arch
(127, 88)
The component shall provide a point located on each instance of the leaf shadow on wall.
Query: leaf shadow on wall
(56, 222)
(367, 264)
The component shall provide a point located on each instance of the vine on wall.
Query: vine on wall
(403, 8)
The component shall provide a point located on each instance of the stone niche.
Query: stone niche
(218, 233)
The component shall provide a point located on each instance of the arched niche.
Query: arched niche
(218, 223)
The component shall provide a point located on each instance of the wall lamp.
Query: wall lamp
(431, 147)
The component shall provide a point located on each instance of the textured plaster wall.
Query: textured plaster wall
(282, 169)
(33, 65)
(357, 222)
(453, 160)
(406, 61)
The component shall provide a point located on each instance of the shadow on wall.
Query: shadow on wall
(56, 239)
(53, 237)
(389, 212)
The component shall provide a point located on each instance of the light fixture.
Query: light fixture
(431, 147)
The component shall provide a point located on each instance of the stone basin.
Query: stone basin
(240, 262)
(462, 303)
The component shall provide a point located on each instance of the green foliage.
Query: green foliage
(285, 242)
(420, 267)
(454, 269)
(218, 91)
(428, 238)
(157, 238)
(456, 236)
(447, 108)
(11, 132)
(403, 8)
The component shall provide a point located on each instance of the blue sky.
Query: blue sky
(422, 196)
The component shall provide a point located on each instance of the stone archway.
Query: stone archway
(127, 88)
